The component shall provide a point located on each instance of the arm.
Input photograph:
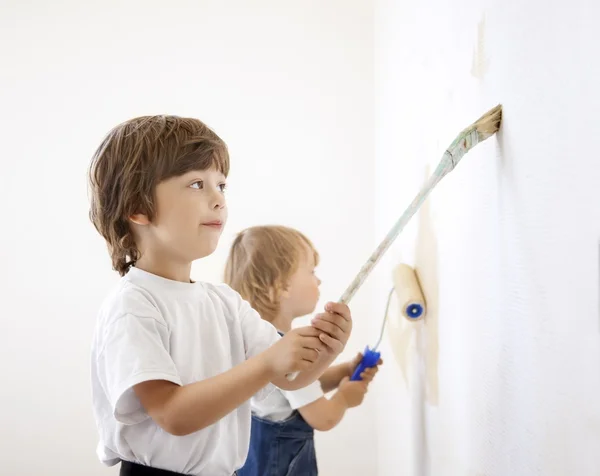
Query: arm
(324, 414)
(181, 410)
(332, 377)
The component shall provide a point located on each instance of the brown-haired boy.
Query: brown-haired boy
(175, 362)
(273, 268)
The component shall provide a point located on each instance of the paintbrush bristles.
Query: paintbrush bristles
(488, 124)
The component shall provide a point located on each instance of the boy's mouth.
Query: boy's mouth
(214, 224)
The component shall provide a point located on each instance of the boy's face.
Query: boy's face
(302, 293)
(190, 215)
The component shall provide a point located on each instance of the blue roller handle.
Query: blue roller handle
(370, 359)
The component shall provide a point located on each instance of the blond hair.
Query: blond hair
(261, 261)
(132, 160)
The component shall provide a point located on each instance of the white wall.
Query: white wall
(513, 239)
(508, 249)
(287, 84)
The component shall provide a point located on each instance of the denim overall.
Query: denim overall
(281, 448)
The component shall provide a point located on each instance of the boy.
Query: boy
(273, 268)
(175, 362)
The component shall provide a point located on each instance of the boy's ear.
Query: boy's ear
(139, 219)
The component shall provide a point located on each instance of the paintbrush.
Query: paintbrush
(483, 128)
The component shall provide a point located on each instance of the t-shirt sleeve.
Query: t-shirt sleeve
(134, 350)
(258, 335)
(304, 396)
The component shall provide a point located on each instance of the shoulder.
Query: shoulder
(127, 298)
(228, 297)
(223, 292)
(258, 334)
(234, 303)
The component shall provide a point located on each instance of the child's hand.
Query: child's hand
(353, 392)
(296, 351)
(368, 374)
(336, 324)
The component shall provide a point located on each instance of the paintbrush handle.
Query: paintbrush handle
(390, 237)
(464, 142)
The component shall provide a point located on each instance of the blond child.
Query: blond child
(273, 268)
(175, 362)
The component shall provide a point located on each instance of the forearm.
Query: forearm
(332, 377)
(337, 410)
(196, 406)
(324, 414)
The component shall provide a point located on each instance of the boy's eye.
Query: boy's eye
(199, 185)
(222, 187)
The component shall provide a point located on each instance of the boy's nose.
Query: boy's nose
(218, 200)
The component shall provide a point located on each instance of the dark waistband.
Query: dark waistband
(134, 469)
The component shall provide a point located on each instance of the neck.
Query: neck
(283, 322)
(164, 267)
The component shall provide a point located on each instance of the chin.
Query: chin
(205, 252)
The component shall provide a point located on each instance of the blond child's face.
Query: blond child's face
(303, 291)
(190, 215)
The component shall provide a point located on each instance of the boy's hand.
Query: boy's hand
(368, 374)
(353, 392)
(336, 325)
(296, 351)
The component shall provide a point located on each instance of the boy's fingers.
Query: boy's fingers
(312, 343)
(331, 329)
(365, 377)
(311, 355)
(333, 344)
(334, 319)
(339, 308)
(356, 360)
(307, 331)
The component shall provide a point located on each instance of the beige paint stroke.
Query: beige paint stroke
(426, 267)
(401, 331)
(480, 63)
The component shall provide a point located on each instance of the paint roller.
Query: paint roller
(410, 294)
(483, 128)
(412, 308)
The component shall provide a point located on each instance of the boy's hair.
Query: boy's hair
(261, 261)
(132, 160)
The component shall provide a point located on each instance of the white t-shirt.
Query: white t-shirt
(153, 328)
(280, 404)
